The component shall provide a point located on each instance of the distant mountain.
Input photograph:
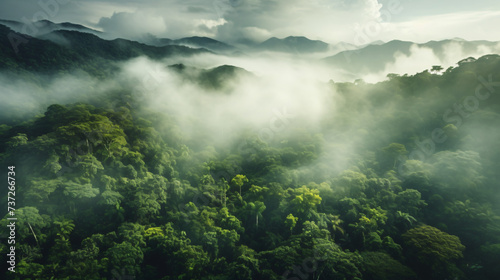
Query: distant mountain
(293, 44)
(152, 40)
(12, 24)
(374, 57)
(378, 42)
(342, 46)
(468, 47)
(214, 79)
(44, 27)
(192, 42)
(369, 58)
(75, 50)
(118, 49)
(204, 42)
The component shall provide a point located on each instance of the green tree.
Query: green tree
(457, 171)
(381, 266)
(305, 200)
(256, 208)
(19, 140)
(336, 224)
(125, 257)
(390, 155)
(291, 222)
(239, 180)
(436, 69)
(433, 248)
(62, 248)
(409, 201)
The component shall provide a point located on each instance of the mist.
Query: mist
(272, 97)
(193, 158)
(25, 96)
(270, 87)
(250, 139)
(422, 58)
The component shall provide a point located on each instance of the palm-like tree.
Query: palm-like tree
(336, 222)
(436, 69)
(407, 218)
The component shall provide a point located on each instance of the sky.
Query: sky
(242, 21)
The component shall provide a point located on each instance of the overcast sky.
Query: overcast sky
(356, 21)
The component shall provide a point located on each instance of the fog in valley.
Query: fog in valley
(196, 141)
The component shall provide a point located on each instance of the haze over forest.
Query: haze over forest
(250, 139)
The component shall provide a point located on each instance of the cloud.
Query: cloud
(196, 10)
(131, 25)
(253, 103)
(325, 20)
(469, 25)
(173, 19)
(235, 21)
(255, 34)
(209, 24)
(421, 58)
(24, 97)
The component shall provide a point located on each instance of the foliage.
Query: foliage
(106, 190)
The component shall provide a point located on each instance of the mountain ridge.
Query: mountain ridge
(65, 49)
(293, 44)
(373, 58)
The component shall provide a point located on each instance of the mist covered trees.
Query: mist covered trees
(111, 191)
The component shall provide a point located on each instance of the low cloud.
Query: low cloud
(421, 58)
(273, 90)
(132, 25)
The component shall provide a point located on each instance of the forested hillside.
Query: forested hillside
(398, 181)
(63, 50)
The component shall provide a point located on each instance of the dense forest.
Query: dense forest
(399, 180)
